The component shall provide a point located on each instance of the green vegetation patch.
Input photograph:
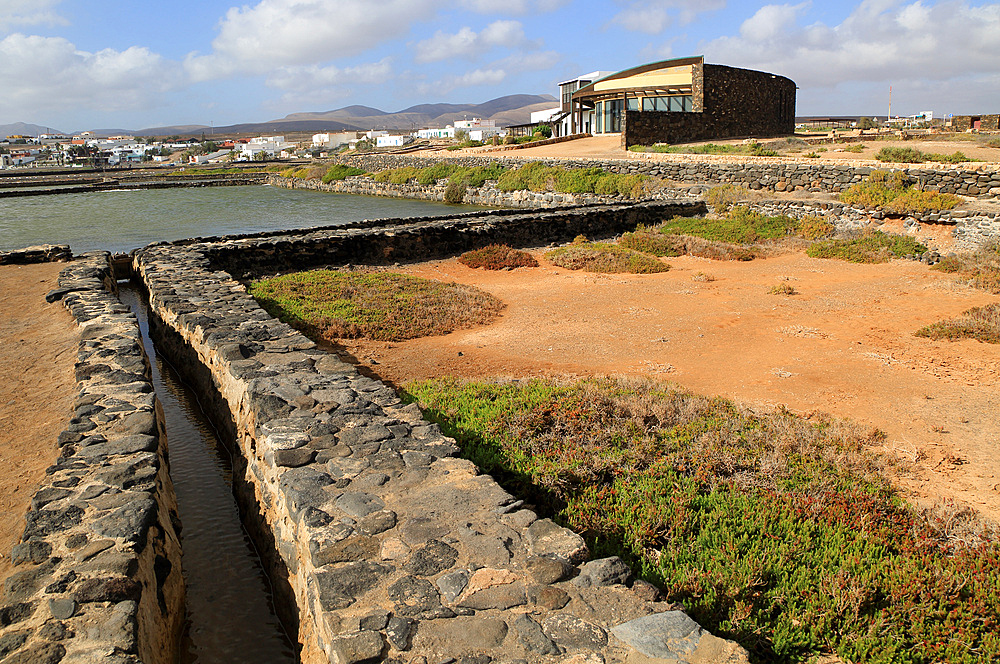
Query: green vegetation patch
(982, 323)
(914, 156)
(604, 257)
(741, 235)
(340, 172)
(473, 176)
(890, 191)
(771, 529)
(752, 148)
(740, 226)
(497, 257)
(537, 176)
(868, 247)
(378, 305)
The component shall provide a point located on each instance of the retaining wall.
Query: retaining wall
(391, 547)
(98, 571)
(766, 173)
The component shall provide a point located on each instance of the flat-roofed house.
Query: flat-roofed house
(684, 100)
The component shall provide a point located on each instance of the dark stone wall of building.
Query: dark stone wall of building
(735, 103)
(987, 122)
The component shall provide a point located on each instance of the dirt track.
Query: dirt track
(844, 344)
(38, 343)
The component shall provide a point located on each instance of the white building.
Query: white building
(375, 133)
(333, 140)
(392, 141)
(447, 132)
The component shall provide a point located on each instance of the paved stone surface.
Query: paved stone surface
(106, 512)
(669, 635)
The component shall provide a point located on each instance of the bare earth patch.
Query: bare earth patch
(844, 345)
(38, 343)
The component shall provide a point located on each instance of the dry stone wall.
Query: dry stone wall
(98, 572)
(389, 546)
(764, 173)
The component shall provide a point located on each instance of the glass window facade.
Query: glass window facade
(608, 113)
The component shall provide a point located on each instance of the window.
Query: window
(674, 104)
(632, 104)
(598, 116)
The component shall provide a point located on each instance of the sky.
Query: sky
(86, 64)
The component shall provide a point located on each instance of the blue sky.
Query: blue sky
(78, 64)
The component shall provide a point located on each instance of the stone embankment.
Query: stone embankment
(98, 573)
(758, 173)
(970, 228)
(383, 544)
(43, 253)
(131, 181)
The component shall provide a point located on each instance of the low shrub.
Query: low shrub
(953, 158)
(455, 191)
(900, 155)
(890, 191)
(980, 323)
(603, 257)
(784, 288)
(813, 227)
(377, 305)
(702, 277)
(497, 257)
(651, 241)
(340, 172)
(868, 247)
(856, 148)
(774, 530)
(724, 196)
(740, 226)
(537, 176)
(993, 143)
(980, 268)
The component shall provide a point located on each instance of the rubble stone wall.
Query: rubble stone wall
(392, 547)
(98, 570)
(763, 173)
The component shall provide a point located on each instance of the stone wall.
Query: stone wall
(987, 122)
(763, 173)
(392, 548)
(735, 103)
(43, 253)
(421, 239)
(98, 570)
(487, 195)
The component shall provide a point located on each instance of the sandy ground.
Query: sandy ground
(609, 147)
(38, 343)
(844, 345)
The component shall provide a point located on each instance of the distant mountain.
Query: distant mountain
(512, 109)
(346, 112)
(25, 129)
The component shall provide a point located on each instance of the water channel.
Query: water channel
(119, 221)
(230, 614)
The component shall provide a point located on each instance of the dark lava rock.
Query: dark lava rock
(433, 557)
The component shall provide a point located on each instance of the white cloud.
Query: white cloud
(276, 33)
(512, 7)
(654, 16)
(881, 40)
(303, 78)
(50, 73)
(29, 12)
(770, 21)
(492, 74)
(466, 42)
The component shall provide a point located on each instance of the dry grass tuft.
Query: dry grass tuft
(603, 257)
(980, 323)
(497, 257)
